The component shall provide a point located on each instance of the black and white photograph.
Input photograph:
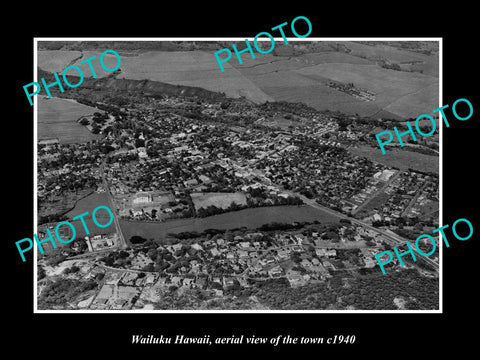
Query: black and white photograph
(261, 187)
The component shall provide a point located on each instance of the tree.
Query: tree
(149, 268)
(152, 254)
(40, 273)
(137, 239)
(95, 128)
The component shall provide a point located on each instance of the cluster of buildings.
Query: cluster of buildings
(64, 168)
(253, 255)
(408, 194)
(356, 92)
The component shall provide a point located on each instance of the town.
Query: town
(169, 165)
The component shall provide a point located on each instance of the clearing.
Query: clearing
(250, 218)
(219, 200)
(57, 119)
(401, 159)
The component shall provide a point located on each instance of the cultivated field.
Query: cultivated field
(250, 218)
(57, 60)
(191, 68)
(219, 200)
(402, 159)
(415, 93)
(57, 118)
(293, 73)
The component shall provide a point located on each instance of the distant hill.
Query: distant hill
(137, 46)
(97, 87)
(401, 76)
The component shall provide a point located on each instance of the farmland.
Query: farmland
(190, 68)
(57, 118)
(299, 71)
(57, 61)
(401, 159)
(250, 218)
(419, 92)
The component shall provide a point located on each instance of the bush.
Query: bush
(137, 239)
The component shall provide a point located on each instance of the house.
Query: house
(228, 281)
(189, 282)
(191, 182)
(177, 247)
(242, 254)
(197, 246)
(201, 282)
(283, 254)
(306, 263)
(177, 280)
(142, 197)
(275, 271)
(326, 252)
(295, 279)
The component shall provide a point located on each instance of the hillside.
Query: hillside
(97, 88)
(401, 78)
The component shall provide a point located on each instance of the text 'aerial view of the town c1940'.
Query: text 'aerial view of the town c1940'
(259, 188)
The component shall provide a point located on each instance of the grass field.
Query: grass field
(88, 203)
(56, 60)
(191, 68)
(61, 204)
(250, 218)
(376, 202)
(219, 200)
(57, 118)
(416, 93)
(399, 158)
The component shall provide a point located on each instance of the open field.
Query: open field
(57, 60)
(402, 54)
(250, 218)
(294, 73)
(219, 200)
(57, 118)
(61, 204)
(419, 91)
(376, 202)
(402, 159)
(191, 68)
(89, 203)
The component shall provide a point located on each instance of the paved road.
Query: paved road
(372, 196)
(122, 244)
(392, 239)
